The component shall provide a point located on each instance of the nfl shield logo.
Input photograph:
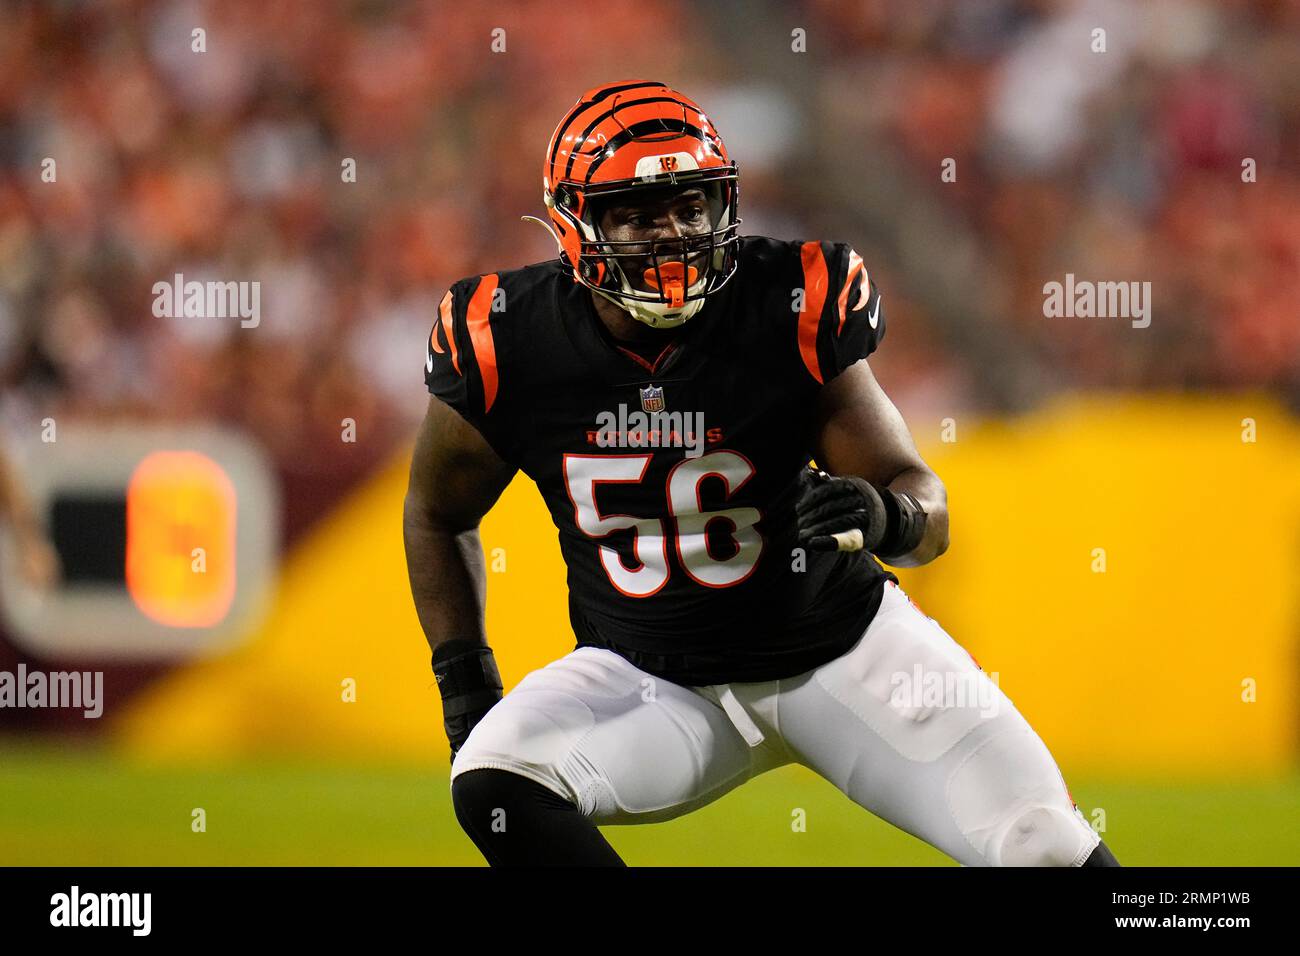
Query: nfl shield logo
(652, 399)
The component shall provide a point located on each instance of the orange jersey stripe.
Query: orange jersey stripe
(480, 333)
(814, 283)
(443, 308)
(855, 267)
(448, 329)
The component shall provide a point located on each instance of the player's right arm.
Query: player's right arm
(455, 479)
(458, 471)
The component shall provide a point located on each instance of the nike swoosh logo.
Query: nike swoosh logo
(874, 315)
(428, 359)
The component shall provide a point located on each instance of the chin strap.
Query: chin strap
(652, 313)
(642, 312)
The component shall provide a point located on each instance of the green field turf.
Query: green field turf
(87, 808)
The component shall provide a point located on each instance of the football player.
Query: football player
(666, 383)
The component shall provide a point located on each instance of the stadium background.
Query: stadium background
(1071, 434)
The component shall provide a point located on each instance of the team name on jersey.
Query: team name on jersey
(638, 429)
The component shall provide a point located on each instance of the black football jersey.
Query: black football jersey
(672, 477)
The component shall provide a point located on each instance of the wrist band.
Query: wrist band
(904, 524)
(466, 669)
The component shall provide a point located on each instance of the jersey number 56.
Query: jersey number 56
(583, 473)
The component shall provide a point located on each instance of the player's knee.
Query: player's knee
(482, 797)
(1043, 836)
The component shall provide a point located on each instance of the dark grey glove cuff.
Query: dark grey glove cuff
(468, 680)
(463, 667)
(904, 524)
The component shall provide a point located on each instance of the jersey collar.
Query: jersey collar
(690, 348)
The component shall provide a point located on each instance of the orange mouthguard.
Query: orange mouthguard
(674, 284)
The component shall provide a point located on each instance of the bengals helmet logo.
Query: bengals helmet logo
(668, 164)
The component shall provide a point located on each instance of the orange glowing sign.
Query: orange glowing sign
(180, 539)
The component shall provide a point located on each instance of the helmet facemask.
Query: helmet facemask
(681, 272)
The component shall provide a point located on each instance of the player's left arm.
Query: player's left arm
(860, 432)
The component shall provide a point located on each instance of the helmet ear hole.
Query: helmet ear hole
(593, 271)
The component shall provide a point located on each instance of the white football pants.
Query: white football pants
(904, 723)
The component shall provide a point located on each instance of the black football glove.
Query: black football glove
(469, 684)
(851, 514)
(847, 507)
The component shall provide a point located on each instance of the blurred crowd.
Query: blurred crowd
(228, 164)
(1166, 149)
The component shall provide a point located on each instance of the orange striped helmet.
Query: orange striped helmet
(639, 135)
